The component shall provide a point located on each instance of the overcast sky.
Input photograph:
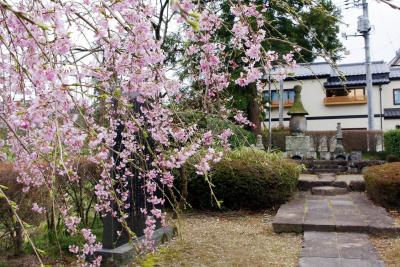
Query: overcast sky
(385, 35)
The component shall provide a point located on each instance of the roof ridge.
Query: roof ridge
(344, 64)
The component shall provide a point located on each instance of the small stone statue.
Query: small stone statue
(259, 143)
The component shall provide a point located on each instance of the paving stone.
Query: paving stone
(319, 244)
(359, 263)
(319, 262)
(355, 246)
(321, 249)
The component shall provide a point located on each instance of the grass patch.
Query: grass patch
(49, 244)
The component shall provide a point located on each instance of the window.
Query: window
(349, 96)
(288, 97)
(396, 96)
(350, 92)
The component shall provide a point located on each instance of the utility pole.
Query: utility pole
(281, 103)
(269, 114)
(364, 28)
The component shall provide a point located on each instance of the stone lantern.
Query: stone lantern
(298, 122)
(298, 144)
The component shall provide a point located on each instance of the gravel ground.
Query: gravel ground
(387, 246)
(227, 239)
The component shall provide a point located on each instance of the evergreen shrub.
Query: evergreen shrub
(246, 178)
(392, 142)
(383, 184)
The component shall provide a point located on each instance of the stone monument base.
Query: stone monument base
(298, 147)
(124, 254)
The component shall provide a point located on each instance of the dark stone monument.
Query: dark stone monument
(118, 246)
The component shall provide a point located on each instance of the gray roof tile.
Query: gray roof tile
(392, 112)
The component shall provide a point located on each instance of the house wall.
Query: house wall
(322, 117)
(387, 102)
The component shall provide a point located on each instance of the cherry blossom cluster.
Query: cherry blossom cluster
(79, 75)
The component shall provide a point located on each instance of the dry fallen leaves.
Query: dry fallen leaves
(227, 239)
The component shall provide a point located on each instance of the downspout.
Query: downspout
(380, 114)
(380, 106)
(281, 103)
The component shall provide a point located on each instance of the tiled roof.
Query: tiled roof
(359, 69)
(353, 73)
(356, 80)
(311, 70)
(391, 112)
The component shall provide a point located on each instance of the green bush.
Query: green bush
(392, 142)
(392, 158)
(383, 184)
(246, 178)
(278, 138)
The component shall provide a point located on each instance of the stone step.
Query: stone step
(330, 162)
(328, 190)
(327, 175)
(293, 227)
(333, 170)
(351, 182)
(306, 185)
(329, 167)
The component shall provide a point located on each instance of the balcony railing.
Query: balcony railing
(286, 104)
(345, 100)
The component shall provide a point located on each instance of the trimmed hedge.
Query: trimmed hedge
(392, 142)
(383, 184)
(246, 178)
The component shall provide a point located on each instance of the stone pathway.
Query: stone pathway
(351, 212)
(332, 249)
(335, 223)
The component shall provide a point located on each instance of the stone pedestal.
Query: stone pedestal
(125, 254)
(298, 147)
